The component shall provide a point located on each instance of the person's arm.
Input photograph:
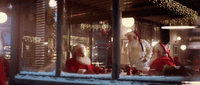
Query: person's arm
(90, 71)
(70, 66)
(2, 38)
(148, 50)
(7, 67)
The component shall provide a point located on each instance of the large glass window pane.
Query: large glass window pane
(159, 38)
(88, 23)
(5, 43)
(38, 36)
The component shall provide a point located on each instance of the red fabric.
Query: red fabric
(159, 63)
(169, 54)
(196, 62)
(176, 61)
(137, 35)
(168, 51)
(72, 66)
(4, 70)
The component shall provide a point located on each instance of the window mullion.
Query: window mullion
(59, 36)
(116, 39)
(15, 35)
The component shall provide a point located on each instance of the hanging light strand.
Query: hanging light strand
(177, 8)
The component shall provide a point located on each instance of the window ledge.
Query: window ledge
(45, 80)
(99, 79)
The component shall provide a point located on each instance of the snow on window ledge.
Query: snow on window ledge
(57, 79)
(50, 76)
(154, 78)
(38, 73)
(103, 76)
(78, 80)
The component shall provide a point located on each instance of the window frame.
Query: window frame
(15, 38)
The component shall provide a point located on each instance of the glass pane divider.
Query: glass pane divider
(59, 36)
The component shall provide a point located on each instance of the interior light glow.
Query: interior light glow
(52, 3)
(178, 27)
(178, 38)
(45, 43)
(183, 47)
(127, 30)
(3, 17)
(128, 22)
(154, 43)
(191, 82)
(10, 6)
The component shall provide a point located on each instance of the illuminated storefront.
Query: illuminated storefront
(46, 32)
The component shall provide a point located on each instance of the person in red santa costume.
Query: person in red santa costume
(79, 61)
(137, 53)
(161, 58)
(4, 70)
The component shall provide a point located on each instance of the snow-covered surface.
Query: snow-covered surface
(153, 78)
(107, 76)
(39, 73)
(93, 79)
(77, 81)
(81, 81)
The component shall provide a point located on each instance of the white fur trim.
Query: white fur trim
(83, 60)
(77, 47)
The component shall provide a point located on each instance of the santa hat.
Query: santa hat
(160, 47)
(77, 47)
(134, 33)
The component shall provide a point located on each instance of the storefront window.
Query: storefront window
(154, 42)
(162, 23)
(38, 37)
(90, 26)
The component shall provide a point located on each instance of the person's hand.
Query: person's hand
(2, 35)
(89, 72)
(122, 66)
(144, 60)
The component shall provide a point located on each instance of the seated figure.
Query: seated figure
(176, 61)
(79, 61)
(160, 59)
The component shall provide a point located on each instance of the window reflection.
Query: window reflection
(38, 44)
(90, 25)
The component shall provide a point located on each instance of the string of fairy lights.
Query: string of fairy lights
(190, 15)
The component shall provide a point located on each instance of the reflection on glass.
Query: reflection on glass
(38, 45)
(96, 47)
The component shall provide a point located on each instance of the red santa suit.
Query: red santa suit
(73, 66)
(161, 61)
(176, 61)
(4, 70)
(79, 60)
